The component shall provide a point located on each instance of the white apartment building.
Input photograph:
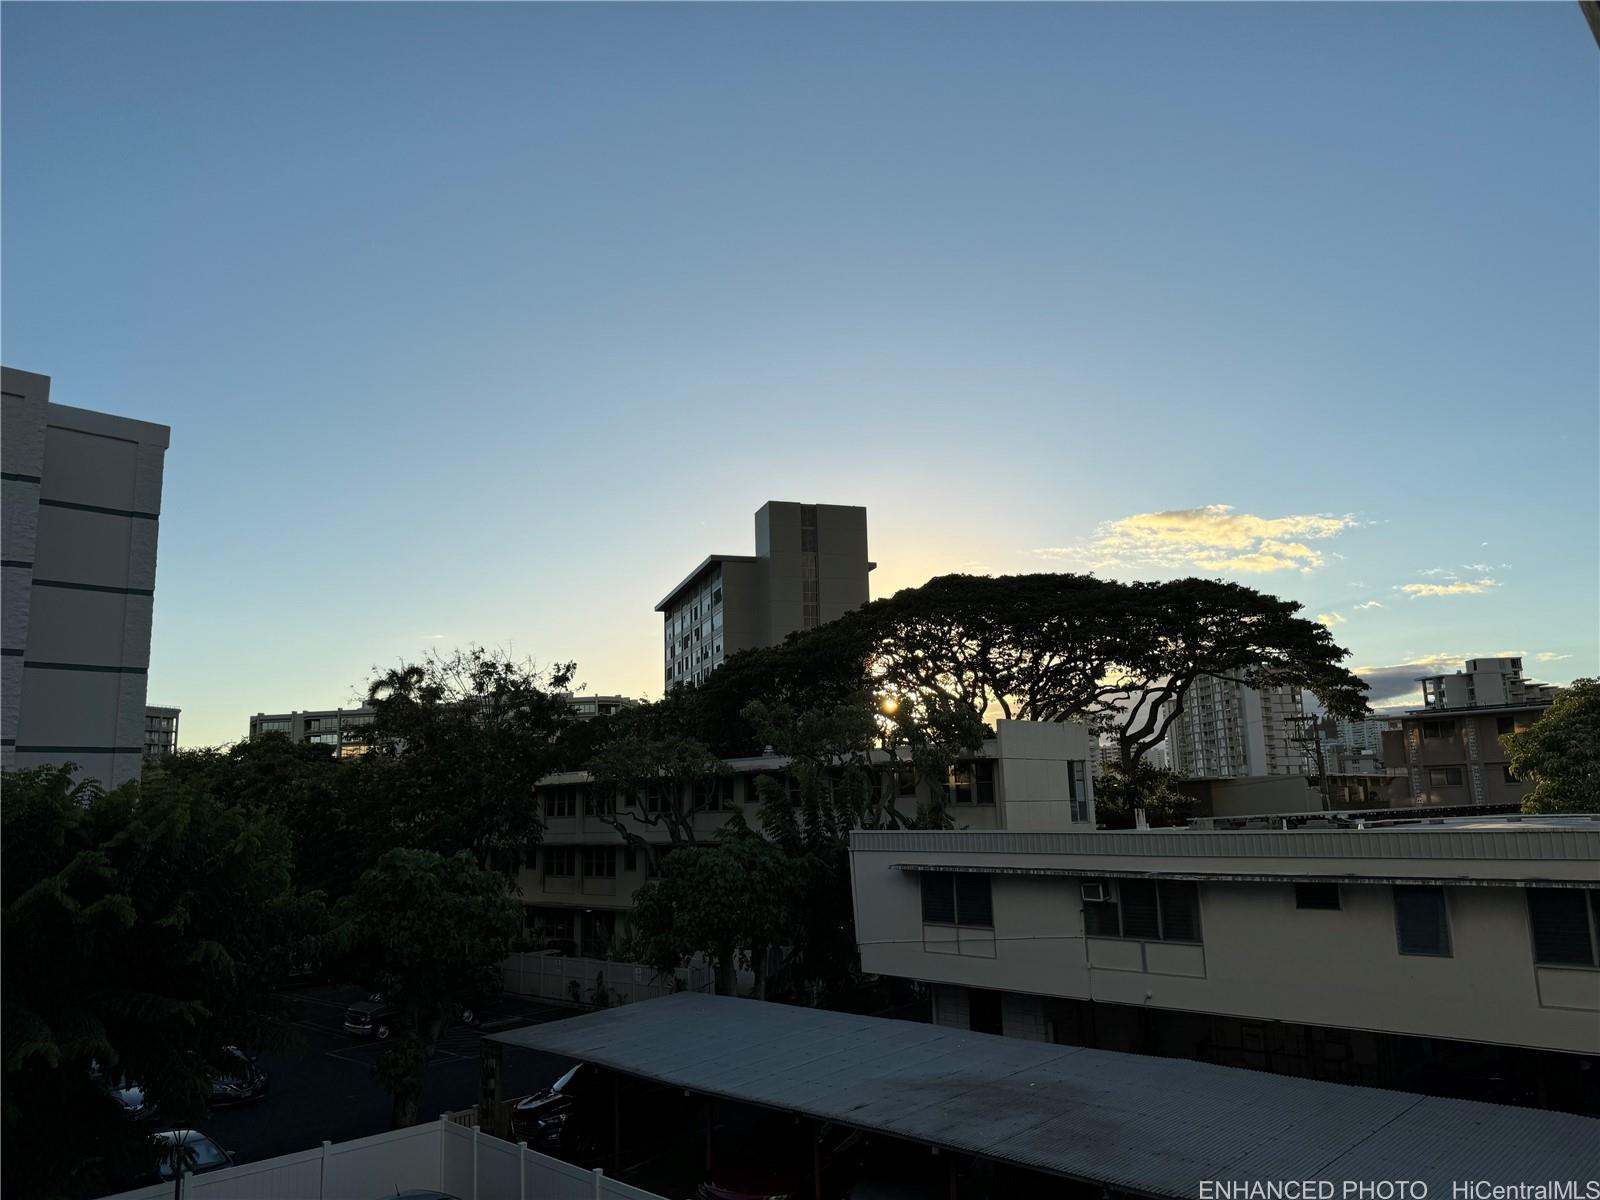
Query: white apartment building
(342, 727)
(82, 506)
(810, 566)
(1229, 729)
(1030, 774)
(1486, 683)
(160, 731)
(1424, 954)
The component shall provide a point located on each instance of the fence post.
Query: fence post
(599, 1184)
(444, 1132)
(322, 1171)
(474, 1162)
(522, 1170)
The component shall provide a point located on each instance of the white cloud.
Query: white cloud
(1212, 538)
(1462, 587)
(1550, 656)
(1330, 619)
(1370, 604)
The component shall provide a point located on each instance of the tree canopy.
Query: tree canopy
(1560, 752)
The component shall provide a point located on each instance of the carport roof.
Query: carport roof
(1156, 1126)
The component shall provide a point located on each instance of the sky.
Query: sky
(485, 323)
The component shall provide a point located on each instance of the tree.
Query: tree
(143, 930)
(454, 750)
(640, 778)
(1121, 792)
(1560, 752)
(431, 932)
(725, 900)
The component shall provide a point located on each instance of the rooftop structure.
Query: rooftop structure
(1485, 683)
(1135, 1124)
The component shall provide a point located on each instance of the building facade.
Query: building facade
(160, 732)
(1389, 954)
(1453, 757)
(342, 727)
(1485, 683)
(82, 507)
(1228, 729)
(810, 566)
(1029, 775)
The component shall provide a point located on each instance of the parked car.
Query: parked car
(128, 1093)
(374, 1017)
(749, 1183)
(574, 1117)
(240, 1083)
(190, 1150)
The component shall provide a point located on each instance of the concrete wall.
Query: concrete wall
(1035, 758)
(1260, 956)
(80, 589)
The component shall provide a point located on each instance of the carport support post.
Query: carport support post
(616, 1123)
(491, 1083)
(816, 1162)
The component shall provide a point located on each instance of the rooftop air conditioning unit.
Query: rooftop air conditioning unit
(1094, 893)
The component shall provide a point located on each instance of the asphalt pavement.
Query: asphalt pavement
(324, 1088)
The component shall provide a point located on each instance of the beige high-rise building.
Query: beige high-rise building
(82, 504)
(1228, 729)
(810, 566)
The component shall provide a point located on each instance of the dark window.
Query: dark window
(952, 899)
(983, 780)
(1140, 916)
(600, 862)
(1563, 925)
(905, 781)
(1433, 730)
(561, 801)
(658, 798)
(973, 903)
(961, 783)
(1505, 774)
(1505, 725)
(1316, 895)
(1100, 918)
(1420, 920)
(1180, 910)
(1078, 791)
(630, 859)
(938, 899)
(1444, 777)
(714, 795)
(560, 860)
(983, 1011)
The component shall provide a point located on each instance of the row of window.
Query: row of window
(598, 862)
(1437, 730)
(1565, 921)
(1455, 776)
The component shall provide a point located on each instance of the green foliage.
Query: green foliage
(1560, 753)
(430, 933)
(726, 901)
(648, 754)
(1121, 791)
(457, 744)
(142, 930)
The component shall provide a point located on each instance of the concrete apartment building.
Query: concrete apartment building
(582, 886)
(1449, 750)
(160, 731)
(1228, 729)
(1426, 955)
(82, 506)
(810, 566)
(342, 727)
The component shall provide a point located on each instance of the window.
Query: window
(598, 804)
(561, 800)
(1166, 910)
(560, 860)
(600, 862)
(1316, 895)
(1565, 926)
(659, 797)
(1078, 790)
(961, 783)
(1433, 730)
(630, 859)
(956, 899)
(983, 781)
(1421, 924)
(1444, 776)
(713, 795)
(1506, 775)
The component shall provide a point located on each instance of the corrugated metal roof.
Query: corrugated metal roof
(1156, 1126)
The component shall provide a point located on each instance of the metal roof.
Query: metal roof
(1154, 1126)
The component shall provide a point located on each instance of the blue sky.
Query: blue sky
(485, 323)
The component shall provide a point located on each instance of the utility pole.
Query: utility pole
(1309, 738)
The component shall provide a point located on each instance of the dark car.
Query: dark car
(241, 1081)
(374, 1017)
(189, 1150)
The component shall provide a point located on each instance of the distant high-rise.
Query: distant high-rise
(160, 732)
(1228, 729)
(82, 506)
(1487, 682)
(810, 566)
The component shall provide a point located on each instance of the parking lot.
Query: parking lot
(323, 1088)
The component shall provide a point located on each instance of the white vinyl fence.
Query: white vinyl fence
(594, 982)
(451, 1158)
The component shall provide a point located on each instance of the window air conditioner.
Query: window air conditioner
(1094, 893)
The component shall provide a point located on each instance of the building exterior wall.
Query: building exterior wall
(160, 732)
(343, 727)
(82, 509)
(1259, 956)
(1453, 757)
